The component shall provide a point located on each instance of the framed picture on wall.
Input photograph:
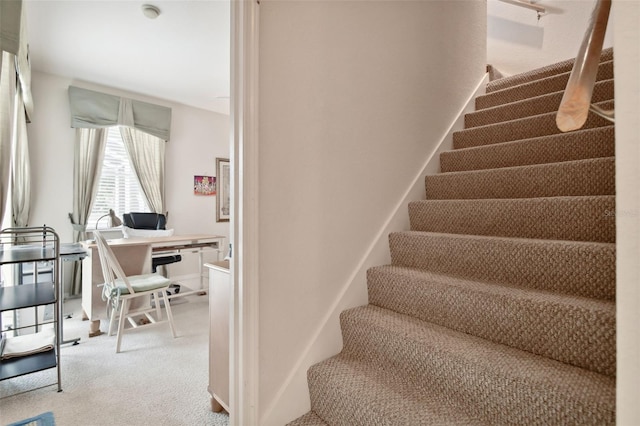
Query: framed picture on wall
(223, 194)
(204, 185)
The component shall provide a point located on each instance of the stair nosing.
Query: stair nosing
(538, 81)
(389, 382)
(540, 97)
(533, 241)
(528, 140)
(517, 356)
(569, 63)
(521, 128)
(503, 289)
(515, 168)
(522, 119)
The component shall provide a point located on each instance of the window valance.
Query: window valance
(10, 14)
(13, 40)
(90, 109)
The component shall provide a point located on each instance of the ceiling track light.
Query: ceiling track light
(150, 11)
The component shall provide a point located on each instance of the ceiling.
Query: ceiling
(182, 56)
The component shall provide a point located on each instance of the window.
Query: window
(119, 188)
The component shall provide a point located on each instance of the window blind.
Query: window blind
(118, 188)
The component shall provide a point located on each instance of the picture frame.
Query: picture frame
(223, 193)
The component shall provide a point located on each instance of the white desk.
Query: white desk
(134, 255)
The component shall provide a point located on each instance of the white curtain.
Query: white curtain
(23, 69)
(7, 96)
(20, 165)
(87, 163)
(16, 108)
(147, 157)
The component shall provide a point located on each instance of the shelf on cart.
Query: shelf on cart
(26, 295)
(27, 253)
(19, 366)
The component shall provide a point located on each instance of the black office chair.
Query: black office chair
(145, 220)
(137, 220)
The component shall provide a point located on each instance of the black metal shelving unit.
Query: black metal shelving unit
(20, 246)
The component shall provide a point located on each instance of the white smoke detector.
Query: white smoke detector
(150, 11)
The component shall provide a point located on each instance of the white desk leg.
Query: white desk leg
(200, 266)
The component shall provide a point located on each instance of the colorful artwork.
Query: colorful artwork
(204, 185)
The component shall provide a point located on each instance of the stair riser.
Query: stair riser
(580, 334)
(603, 91)
(551, 84)
(581, 269)
(499, 396)
(556, 218)
(548, 71)
(574, 178)
(339, 409)
(591, 143)
(524, 128)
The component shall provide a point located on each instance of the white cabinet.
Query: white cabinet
(220, 299)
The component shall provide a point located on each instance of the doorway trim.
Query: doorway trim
(244, 350)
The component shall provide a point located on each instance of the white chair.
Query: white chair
(119, 291)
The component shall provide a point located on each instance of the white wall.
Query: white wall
(627, 75)
(518, 42)
(197, 138)
(353, 98)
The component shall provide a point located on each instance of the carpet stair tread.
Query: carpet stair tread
(534, 88)
(308, 419)
(521, 128)
(594, 176)
(497, 383)
(582, 218)
(602, 91)
(579, 145)
(347, 392)
(542, 72)
(574, 330)
(578, 268)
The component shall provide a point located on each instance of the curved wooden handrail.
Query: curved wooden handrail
(576, 101)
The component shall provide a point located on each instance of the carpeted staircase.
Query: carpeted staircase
(499, 304)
